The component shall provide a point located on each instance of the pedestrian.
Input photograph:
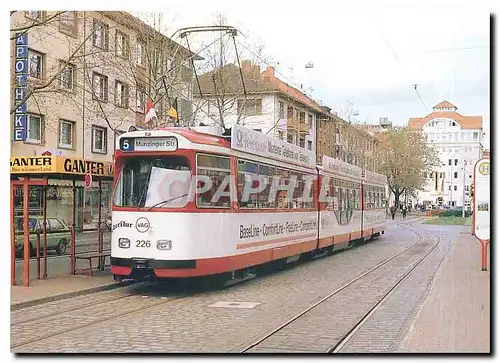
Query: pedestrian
(393, 211)
(404, 211)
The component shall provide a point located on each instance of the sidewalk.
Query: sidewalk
(58, 288)
(455, 316)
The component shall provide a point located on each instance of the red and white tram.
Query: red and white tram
(190, 203)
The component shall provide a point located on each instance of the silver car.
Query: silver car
(58, 235)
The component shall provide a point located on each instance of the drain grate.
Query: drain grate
(234, 304)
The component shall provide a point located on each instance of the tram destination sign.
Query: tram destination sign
(168, 143)
(254, 142)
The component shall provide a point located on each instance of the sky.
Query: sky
(366, 55)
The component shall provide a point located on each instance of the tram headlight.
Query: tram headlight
(123, 243)
(164, 244)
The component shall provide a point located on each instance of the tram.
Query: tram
(194, 202)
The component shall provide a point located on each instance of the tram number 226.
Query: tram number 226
(143, 243)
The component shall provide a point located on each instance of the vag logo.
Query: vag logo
(142, 224)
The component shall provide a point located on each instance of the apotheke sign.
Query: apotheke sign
(21, 87)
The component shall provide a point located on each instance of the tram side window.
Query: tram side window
(297, 191)
(283, 200)
(356, 196)
(217, 168)
(337, 197)
(368, 198)
(266, 174)
(248, 173)
(309, 186)
(330, 195)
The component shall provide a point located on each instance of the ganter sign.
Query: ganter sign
(257, 143)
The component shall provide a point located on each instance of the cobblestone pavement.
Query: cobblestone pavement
(189, 324)
(385, 330)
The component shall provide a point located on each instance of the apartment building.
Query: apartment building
(264, 102)
(459, 142)
(258, 100)
(85, 77)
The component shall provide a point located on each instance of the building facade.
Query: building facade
(459, 142)
(263, 102)
(257, 100)
(87, 78)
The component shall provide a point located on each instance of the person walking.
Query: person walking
(393, 211)
(404, 211)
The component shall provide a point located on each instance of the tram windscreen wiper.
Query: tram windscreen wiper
(168, 201)
(146, 186)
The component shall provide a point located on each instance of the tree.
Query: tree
(162, 76)
(403, 158)
(223, 87)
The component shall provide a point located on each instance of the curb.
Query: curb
(68, 295)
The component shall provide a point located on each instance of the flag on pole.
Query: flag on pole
(150, 112)
(173, 110)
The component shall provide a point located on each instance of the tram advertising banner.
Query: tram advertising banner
(482, 204)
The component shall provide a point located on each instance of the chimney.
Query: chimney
(255, 71)
(268, 74)
(245, 66)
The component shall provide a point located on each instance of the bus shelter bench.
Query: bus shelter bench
(89, 256)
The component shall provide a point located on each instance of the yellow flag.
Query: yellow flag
(172, 112)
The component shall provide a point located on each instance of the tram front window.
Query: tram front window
(153, 181)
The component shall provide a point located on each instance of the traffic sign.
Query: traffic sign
(88, 180)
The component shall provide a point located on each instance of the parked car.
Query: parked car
(58, 235)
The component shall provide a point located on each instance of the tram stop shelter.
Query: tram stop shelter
(52, 198)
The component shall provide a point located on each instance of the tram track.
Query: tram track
(138, 308)
(144, 304)
(70, 309)
(346, 337)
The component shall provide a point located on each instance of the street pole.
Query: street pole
(463, 191)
